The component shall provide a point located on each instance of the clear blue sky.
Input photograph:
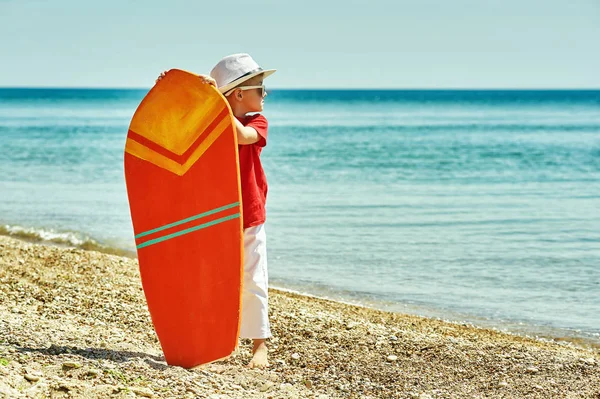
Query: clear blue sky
(312, 43)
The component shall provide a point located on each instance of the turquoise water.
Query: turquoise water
(481, 206)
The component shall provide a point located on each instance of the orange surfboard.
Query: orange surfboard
(182, 176)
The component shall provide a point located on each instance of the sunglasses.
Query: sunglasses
(263, 89)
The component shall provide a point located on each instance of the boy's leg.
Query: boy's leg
(255, 317)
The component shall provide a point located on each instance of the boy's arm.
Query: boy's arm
(245, 134)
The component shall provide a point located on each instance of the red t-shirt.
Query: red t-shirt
(252, 175)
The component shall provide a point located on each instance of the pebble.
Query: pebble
(93, 373)
(503, 384)
(62, 384)
(266, 386)
(145, 392)
(71, 365)
(286, 387)
(392, 358)
(343, 388)
(589, 361)
(295, 356)
(32, 378)
(532, 370)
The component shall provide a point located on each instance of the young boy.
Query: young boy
(240, 79)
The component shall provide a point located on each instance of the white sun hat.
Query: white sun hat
(235, 69)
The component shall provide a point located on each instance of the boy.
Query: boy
(240, 79)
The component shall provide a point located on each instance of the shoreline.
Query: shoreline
(522, 329)
(529, 331)
(74, 323)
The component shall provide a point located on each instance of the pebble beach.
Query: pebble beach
(74, 324)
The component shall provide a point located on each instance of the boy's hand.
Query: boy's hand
(162, 75)
(208, 80)
(204, 78)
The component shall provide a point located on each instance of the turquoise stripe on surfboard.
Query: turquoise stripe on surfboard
(191, 218)
(187, 231)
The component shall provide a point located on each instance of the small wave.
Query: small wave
(65, 239)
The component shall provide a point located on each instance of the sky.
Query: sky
(431, 44)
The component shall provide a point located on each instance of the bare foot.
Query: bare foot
(260, 355)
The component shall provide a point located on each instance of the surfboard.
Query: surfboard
(183, 185)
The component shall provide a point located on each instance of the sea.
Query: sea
(478, 207)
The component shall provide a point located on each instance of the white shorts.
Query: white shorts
(255, 295)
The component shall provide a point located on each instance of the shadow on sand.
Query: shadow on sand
(156, 362)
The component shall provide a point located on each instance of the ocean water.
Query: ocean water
(476, 206)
